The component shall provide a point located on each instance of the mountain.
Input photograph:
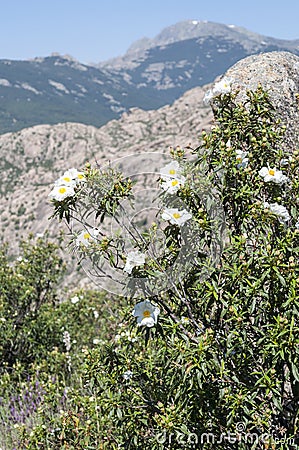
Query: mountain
(199, 30)
(153, 73)
(60, 89)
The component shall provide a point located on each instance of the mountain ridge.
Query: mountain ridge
(153, 74)
(189, 29)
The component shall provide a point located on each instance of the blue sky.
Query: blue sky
(96, 30)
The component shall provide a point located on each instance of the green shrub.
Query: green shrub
(45, 333)
(25, 287)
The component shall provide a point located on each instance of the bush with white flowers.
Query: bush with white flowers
(220, 354)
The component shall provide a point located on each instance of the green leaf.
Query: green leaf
(295, 371)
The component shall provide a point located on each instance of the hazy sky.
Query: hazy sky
(96, 30)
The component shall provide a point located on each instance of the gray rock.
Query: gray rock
(278, 73)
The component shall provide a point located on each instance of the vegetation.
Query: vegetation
(214, 360)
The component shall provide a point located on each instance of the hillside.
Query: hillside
(33, 158)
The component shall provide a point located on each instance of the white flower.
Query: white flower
(96, 314)
(71, 177)
(297, 225)
(75, 299)
(171, 170)
(223, 86)
(272, 175)
(60, 193)
(96, 341)
(127, 375)
(185, 320)
(75, 174)
(67, 340)
(208, 97)
(279, 210)
(176, 217)
(86, 237)
(146, 313)
(65, 180)
(241, 158)
(65, 185)
(134, 259)
(172, 185)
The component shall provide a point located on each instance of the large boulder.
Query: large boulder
(278, 73)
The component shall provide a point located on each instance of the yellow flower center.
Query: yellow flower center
(62, 190)
(80, 176)
(86, 236)
(176, 215)
(172, 172)
(174, 182)
(271, 172)
(67, 179)
(146, 313)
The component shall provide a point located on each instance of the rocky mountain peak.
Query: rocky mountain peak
(195, 29)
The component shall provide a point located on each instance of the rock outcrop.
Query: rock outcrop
(278, 73)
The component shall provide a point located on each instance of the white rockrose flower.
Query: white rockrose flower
(175, 216)
(71, 177)
(185, 320)
(75, 299)
(272, 174)
(241, 158)
(146, 313)
(280, 210)
(172, 185)
(223, 86)
(134, 259)
(65, 180)
(86, 237)
(75, 174)
(171, 170)
(297, 225)
(60, 193)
